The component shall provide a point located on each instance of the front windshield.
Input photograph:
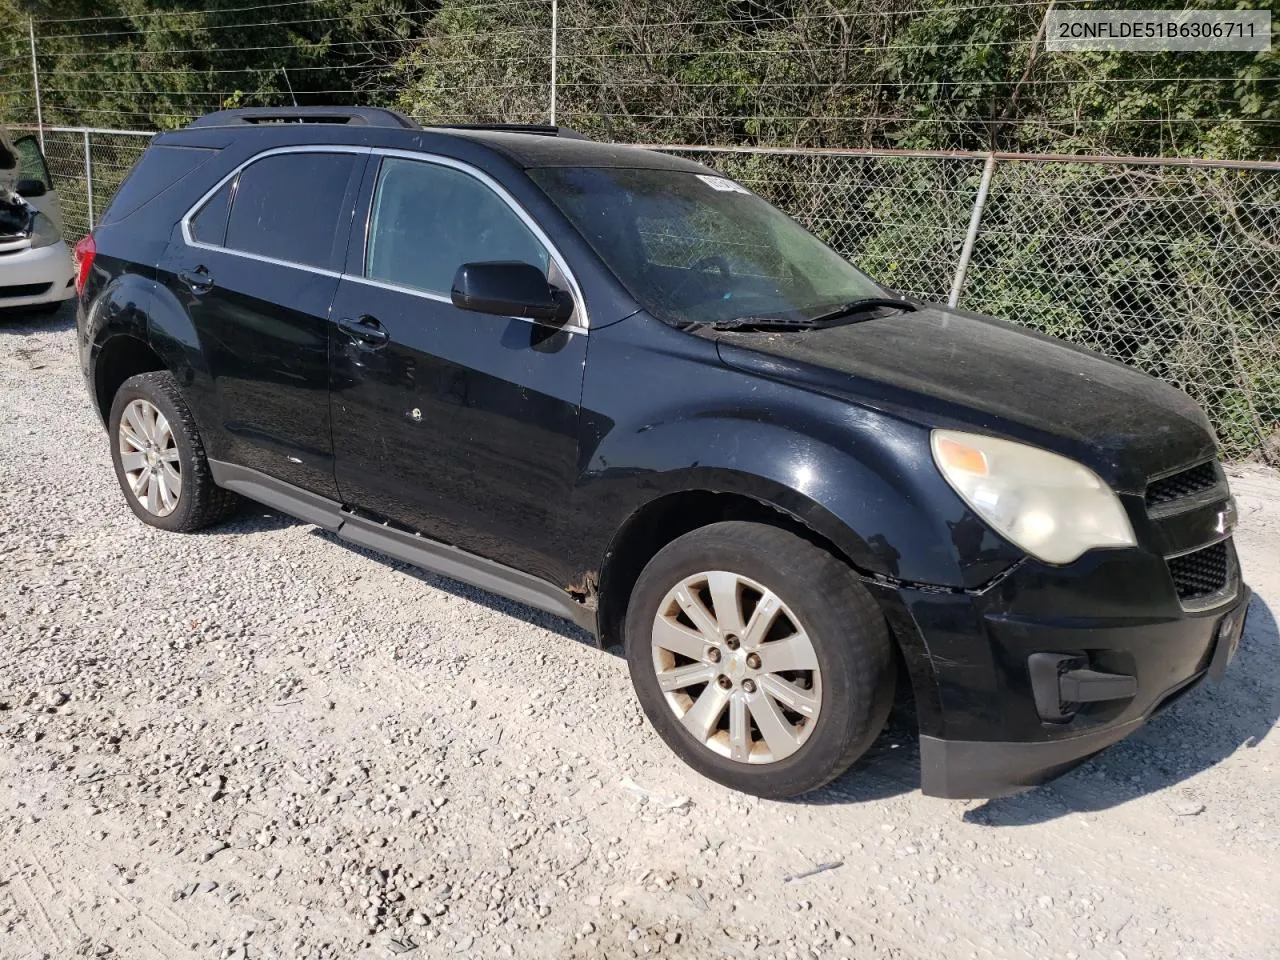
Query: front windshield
(696, 248)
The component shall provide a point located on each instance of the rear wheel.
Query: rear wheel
(159, 457)
(759, 658)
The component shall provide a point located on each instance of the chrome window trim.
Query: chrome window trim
(191, 241)
(580, 301)
(501, 192)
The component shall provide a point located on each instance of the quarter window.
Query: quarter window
(429, 219)
(289, 206)
(160, 167)
(210, 224)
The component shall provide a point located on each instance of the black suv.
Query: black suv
(618, 386)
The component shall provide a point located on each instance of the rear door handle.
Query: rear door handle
(366, 330)
(198, 280)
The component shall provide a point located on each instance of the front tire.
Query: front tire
(159, 457)
(759, 658)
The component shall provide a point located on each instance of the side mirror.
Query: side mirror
(509, 288)
(30, 189)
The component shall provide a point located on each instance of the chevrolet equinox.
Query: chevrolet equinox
(618, 386)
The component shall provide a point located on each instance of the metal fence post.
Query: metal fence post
(35, 80)
(555, 26)
(975, 220)
(88, 176)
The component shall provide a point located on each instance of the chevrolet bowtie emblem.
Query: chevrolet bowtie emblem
(1226, 518)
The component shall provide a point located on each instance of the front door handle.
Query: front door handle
(198, 280)
(366, 330)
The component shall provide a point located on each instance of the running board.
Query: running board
(420, 551)
(285, 497)
(457, 564)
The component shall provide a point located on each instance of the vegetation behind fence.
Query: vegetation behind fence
(1172, 267)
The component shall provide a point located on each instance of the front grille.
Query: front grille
(1183, 484)
(1201, 573)
(24, 290)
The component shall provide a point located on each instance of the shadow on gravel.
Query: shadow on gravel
(520, 611)
(1199, 731)
(249, 518)
(19, 321)
(889, 769)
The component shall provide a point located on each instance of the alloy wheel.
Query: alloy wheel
(736, 667)
(149, 457)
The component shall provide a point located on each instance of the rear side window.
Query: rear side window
(159, 169)
(210, 224)
(288, 207)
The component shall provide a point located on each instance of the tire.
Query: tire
(814, 596)
(150, 402)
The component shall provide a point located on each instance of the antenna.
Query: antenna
(285, 73)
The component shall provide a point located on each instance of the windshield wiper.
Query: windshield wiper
(822, 320)
(861, 306)
(761, 323)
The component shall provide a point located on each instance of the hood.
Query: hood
(943, 367)
(15, 212)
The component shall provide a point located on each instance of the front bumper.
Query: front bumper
(982, 706)
(31, 278)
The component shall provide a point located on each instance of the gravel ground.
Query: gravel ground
(262, 742)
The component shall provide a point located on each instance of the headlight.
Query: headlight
(44, 232)
(1050, 506)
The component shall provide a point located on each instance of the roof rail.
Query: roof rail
(355, 116)
(539, 129)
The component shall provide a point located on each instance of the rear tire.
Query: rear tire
(783, 675)
(159, 457)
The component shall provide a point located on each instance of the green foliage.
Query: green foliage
(876, 73)
(147, 64)
(1172, 270)
(818, 73)
(1175, 270)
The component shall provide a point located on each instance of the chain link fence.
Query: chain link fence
(87, 166)
(1171, 267)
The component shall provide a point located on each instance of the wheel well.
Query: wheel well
(122, 357)
(658, 523)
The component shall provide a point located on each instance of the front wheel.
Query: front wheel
(759, 658)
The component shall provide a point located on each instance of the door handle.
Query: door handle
(366, 330)
(198, 280)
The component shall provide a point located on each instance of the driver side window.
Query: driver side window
(429, 219)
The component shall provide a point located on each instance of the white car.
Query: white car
(36, 270)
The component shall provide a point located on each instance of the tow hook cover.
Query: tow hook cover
(1091, 686)
(1060, 682)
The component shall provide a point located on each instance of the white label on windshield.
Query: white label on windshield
(723, 185)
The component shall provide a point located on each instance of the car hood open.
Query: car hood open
(945, 367)
(8, 161)
(14, 215)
